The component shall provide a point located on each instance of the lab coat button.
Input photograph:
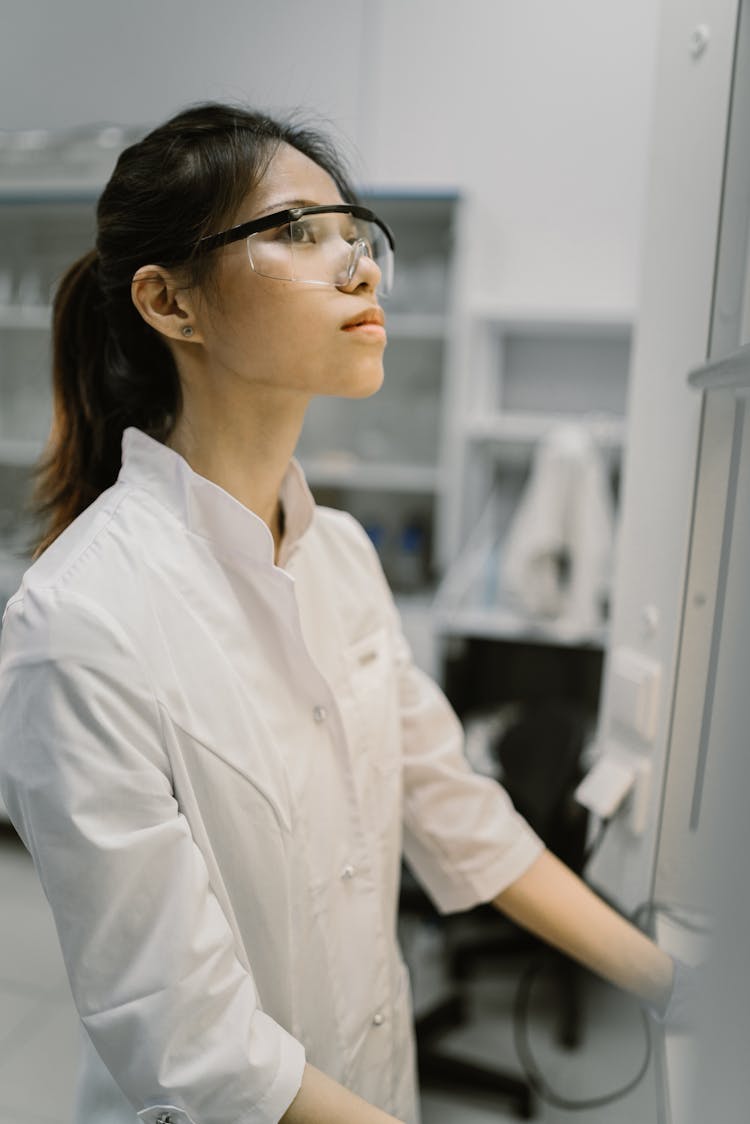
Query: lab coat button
(349, 871)
(320, 713)
(378, 1019)
(164, 1114)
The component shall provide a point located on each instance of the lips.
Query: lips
(366, 316)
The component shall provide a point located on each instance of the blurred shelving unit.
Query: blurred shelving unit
(524, 372)
(25, 318)
(49, 184)
(351, 474)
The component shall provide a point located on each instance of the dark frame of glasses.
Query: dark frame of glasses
(280, 218)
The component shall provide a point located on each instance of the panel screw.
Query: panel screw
(650, 620)
(699, 38)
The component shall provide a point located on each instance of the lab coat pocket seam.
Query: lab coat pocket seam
(283, 820)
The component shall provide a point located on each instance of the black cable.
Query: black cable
(649, 908)
(531, 1071)
(595, 843)
(522, 1007)
(646, 909)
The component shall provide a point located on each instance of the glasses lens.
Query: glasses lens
(321, 249)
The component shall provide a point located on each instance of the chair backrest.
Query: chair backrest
(539, 761)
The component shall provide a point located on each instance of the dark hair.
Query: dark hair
(110, 369)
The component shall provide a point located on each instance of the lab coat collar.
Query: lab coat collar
(208, 510)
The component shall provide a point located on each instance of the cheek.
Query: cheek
(280, 335)
(291, 337)
(273, 344)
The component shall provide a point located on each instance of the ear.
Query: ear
(164, 304)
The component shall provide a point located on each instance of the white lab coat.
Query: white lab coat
(212, 760)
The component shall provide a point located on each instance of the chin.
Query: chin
(362, 382)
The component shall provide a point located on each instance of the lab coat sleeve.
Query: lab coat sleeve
(148, 951)
(463, 838)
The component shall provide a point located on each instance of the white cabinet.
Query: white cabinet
(524, 373)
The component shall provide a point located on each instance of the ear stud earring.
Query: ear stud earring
(187, 331)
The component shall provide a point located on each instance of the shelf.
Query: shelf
(527, 428)
(20, 453)
(417, 620)
(421, 601)
(25, 317)
(356, 475)
(591, 321)
(732, 372)
(12, 569)
(46, 190)
(504, 624)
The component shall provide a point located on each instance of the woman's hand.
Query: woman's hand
(321, 1100)
(684, 1004)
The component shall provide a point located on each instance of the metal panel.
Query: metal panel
(684, 861)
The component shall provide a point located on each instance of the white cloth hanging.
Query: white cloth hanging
(566, 512)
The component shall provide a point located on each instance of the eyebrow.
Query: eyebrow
(285, 204)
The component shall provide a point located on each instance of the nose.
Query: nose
(363, 269)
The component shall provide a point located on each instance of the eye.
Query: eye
(359, 232)
(300, 232)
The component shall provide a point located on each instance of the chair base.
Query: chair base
(437, 1068)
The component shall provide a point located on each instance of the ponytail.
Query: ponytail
(99, 389)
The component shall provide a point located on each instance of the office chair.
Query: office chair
(539, 763)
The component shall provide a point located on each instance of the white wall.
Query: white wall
(541, 111)
(538, 110)
(77, 61)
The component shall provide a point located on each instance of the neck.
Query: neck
(243, 445)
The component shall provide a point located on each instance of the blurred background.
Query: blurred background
(561, 511)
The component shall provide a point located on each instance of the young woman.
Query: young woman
(213, 739)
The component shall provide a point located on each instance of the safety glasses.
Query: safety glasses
(314, 245)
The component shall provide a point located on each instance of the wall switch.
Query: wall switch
(605, 786)
(635, 681)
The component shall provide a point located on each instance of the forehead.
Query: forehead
(291, 179)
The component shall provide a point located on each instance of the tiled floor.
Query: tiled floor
(39, 1030)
